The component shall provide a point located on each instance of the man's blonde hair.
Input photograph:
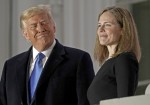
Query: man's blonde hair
(39, 9)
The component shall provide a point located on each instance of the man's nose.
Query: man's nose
(40, 28)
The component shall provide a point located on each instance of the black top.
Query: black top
(118, 77)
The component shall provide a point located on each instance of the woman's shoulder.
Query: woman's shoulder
(126, 56)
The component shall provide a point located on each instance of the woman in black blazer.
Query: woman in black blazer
(117, 49)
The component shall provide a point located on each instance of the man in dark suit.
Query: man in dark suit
(66, 74)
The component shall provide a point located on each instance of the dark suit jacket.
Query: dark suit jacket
(65, 79)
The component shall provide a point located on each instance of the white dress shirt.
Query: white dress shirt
(46, 53)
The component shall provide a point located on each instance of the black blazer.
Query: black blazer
(65, 79)
(117, 77)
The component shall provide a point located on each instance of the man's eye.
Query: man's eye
(43, 23)
(33, 26)
(107, 24)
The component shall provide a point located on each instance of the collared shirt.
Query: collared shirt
(46, 53)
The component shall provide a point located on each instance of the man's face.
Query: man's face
(40, 31)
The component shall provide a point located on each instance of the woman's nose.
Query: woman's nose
(101, 28)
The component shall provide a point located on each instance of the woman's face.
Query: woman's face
(109, 31)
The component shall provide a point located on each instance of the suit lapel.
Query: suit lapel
(23, 66)
(53, 61)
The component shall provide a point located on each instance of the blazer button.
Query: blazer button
(21, 103)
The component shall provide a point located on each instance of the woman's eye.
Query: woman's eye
(104, 25)
(99, 25)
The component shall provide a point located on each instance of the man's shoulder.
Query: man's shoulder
(19, 56)
(74, 50)
(69, 49)
(76, 53)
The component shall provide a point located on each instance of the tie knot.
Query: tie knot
(40, 56)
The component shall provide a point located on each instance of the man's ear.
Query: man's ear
(25, 35)
(54, 29)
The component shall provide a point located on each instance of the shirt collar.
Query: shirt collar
(46, 52)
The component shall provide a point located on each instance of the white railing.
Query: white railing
(143, 83)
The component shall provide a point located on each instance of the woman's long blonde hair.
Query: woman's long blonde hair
(129, 39)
